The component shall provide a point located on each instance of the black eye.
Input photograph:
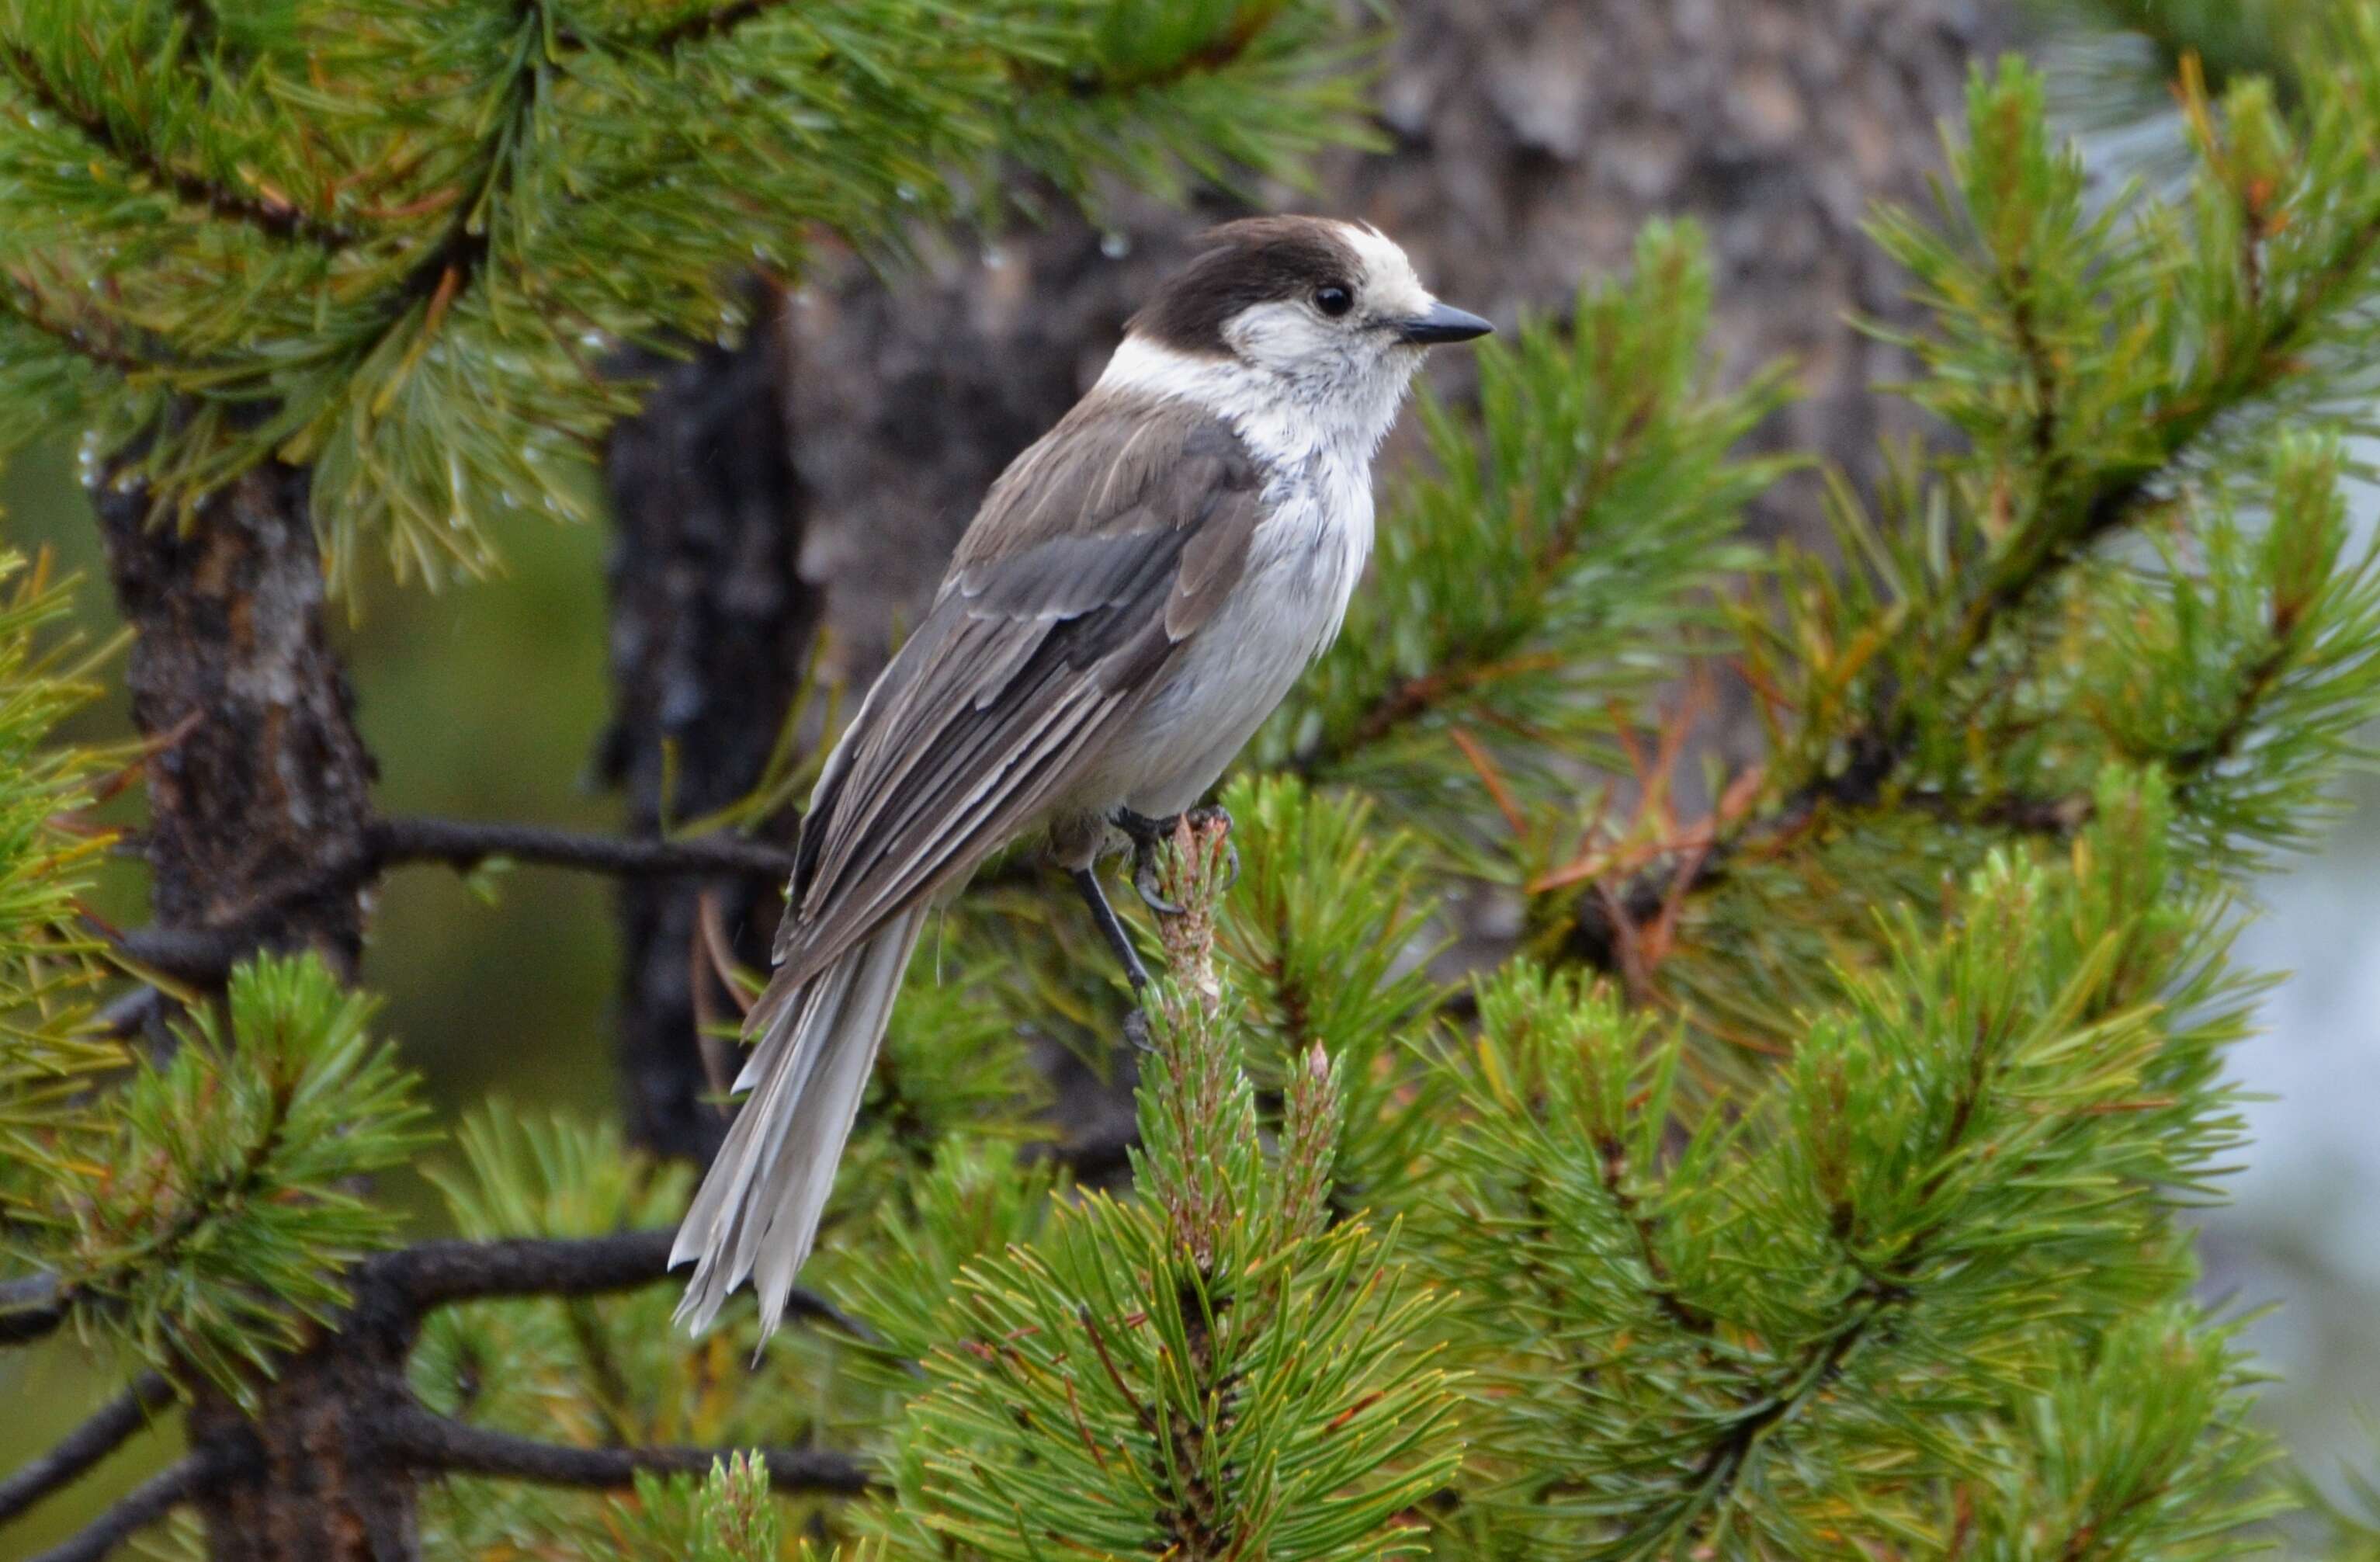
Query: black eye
(1333, 300)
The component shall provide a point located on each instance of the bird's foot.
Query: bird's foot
(1147, 834)
(1143, 880)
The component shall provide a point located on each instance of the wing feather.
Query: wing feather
(1095, 558)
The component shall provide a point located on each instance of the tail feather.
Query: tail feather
(758, 1210)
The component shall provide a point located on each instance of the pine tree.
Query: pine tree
(1805, 1174)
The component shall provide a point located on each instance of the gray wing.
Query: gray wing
(1097, 554)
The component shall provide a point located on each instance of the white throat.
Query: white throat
(1336, 421)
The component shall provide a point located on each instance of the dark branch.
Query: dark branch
(431, 1442)
(406, 1282)
(85, 1445)
(143, 1506)
(30, 1309)
(205, 955)
(274, 218)
(1102, 1153)
(439, 1273)
(464, 846)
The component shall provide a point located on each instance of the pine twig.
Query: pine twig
(274, 219)
(430, 1441)
(105, 1432)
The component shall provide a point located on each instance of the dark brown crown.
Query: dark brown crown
(1254, 261)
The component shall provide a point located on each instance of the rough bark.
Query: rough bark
(306, 1480)
(255, 777)
(254, 771)
(712, 625)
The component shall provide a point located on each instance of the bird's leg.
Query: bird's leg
(1111, 928)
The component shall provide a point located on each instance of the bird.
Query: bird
(1138, 591)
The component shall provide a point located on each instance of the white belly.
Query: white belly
(1303, 565)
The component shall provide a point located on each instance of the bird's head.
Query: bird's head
(1328, 315)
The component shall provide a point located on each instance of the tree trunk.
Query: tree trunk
(310, 1482)
(255, 777)
(1531, 140)
(255, 774)
(711, 626)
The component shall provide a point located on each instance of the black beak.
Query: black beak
(1444, 323)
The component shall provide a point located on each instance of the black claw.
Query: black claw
(1135, 1032)
(1143, 880)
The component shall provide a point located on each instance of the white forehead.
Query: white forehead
(1388, 276)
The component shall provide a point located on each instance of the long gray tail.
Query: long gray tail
(759, 1207)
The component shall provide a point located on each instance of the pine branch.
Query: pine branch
(106, 1430)
(275, 218)
(143, 1506)
(1219, 53)
(431, 1442)
(1662, 1285)
(457, 258)
(1465, 663)
(2192, 766)
(1605, 917)
(1723, 1465)
(27, 305)
(1881, 744)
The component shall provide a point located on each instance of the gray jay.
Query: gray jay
(1139, 589)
